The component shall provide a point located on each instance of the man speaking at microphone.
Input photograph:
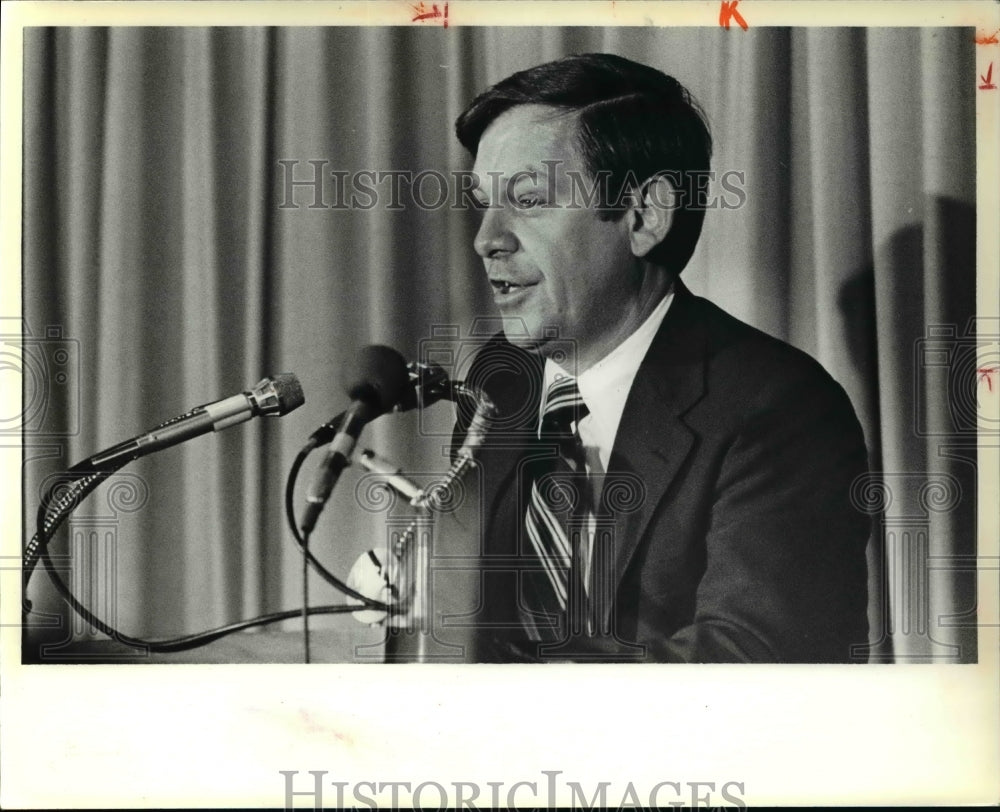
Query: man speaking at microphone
(667, 483)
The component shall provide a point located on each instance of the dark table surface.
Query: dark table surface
(351, 643)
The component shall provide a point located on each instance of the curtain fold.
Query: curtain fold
(185, 228)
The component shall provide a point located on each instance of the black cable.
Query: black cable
(89, 478)
(328, 576)
(188, 641)
(48, 524)
(305, 603)
(83, 481)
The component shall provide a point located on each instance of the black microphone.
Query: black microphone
(426, 385)
(379, 383)
(272, 396)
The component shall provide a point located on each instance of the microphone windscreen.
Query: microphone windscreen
(380, 378)
(289, 391)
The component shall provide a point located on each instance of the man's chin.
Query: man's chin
(559, 350)
(519, 333)
(522, 340)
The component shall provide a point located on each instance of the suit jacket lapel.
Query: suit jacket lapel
(653, 441)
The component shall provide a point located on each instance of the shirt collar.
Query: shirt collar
(605, 386)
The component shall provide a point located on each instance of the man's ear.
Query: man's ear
(651, 214)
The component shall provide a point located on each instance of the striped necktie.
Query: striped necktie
(558, 501)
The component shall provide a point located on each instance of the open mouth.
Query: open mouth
(504, 287)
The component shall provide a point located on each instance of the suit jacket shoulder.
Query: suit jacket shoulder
(744, 367)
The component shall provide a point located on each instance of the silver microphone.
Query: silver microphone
(271, 396)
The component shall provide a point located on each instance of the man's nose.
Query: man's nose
(495, 237)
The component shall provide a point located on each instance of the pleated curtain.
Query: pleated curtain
(161, 244)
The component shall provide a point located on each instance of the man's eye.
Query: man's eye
(528, 201)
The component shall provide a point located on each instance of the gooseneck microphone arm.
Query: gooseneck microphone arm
(275, 396)
(438, 494)
(271, 396)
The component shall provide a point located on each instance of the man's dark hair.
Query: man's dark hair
(634, 122)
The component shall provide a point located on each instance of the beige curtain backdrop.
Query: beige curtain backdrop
(155, 240)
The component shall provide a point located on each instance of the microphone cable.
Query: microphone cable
(84, 480)
(440, 388)
(49, 522)
(317, 439)
(79, 481)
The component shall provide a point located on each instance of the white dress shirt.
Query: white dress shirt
(604, 387)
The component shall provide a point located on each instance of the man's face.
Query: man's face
(553, 264)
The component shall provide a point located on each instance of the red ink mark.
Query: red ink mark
(432, 13)
(986, 374)
(312, 724)
(728, 12)
(990, 40)
(988, 79)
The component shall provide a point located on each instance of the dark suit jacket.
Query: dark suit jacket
(733, 537)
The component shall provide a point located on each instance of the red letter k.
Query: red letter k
(728, 11)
